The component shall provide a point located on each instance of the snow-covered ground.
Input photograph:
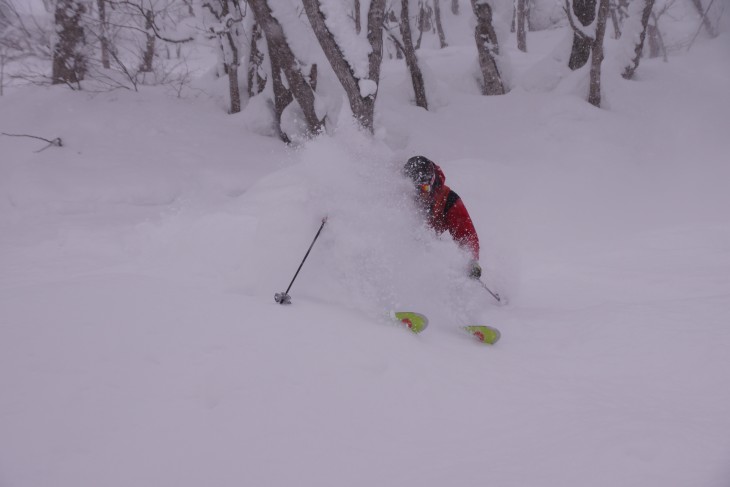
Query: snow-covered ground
(140, 343)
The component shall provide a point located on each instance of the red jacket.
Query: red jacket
(447, 212)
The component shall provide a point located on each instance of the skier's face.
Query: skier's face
(424, 188)
(424, 193)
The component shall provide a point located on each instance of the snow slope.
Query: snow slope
(140, 343)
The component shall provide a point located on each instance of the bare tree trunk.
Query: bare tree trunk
(705, 20)
(615, 22)
(104, 34)
(234, 90)
(594, 95)
(148, 54)
(358, 21)
(659, 39)
(439, 27)
(222, 11)
(521, 14)
(254, 82)
(423, 20)
(313, 76)
(455, 7)
(410, 54)
(653, 38)
(69, 60)
(376, 16)
(359, 91)
(639, 47)
(279, 49)
(282, 96)
(488, 48)
(585, 11)
(3, 59)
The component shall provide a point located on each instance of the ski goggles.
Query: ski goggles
(426, 186)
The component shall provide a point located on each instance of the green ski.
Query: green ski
(483, 333)
(416, 322)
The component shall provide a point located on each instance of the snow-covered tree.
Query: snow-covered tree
(226, 25)
(487, 48)
(588, 40)
(283, 60)
(255, 75)
(355, 60)
(585, 12)
(400, 35)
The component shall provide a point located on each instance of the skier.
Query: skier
(443, 208)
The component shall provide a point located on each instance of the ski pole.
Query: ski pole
(494, 295)
(284, 298)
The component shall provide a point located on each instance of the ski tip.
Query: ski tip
(485, 334)
(415, 322)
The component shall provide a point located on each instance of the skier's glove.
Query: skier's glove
(475, 270)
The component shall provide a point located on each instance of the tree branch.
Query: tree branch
(57, 141)
(155, 29)
(704, 22)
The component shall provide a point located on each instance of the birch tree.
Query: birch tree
(656, 40)
(585, 12)
(358, 73)
(255, 76)
(283, 60)
(638, 23)
(228, 18)
(618, 10)
(521, 10)
(439, 26)
(105, 42)
(404, 44)
(591, 44)
(69, 50)
(594, 94)
(487, 48)
(702, 12)
(356, 16)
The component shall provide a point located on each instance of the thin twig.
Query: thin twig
(153, 26)
(57, 141)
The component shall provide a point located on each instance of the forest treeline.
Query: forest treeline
(277, 47)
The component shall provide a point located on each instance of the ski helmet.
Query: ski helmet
(420, 170)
